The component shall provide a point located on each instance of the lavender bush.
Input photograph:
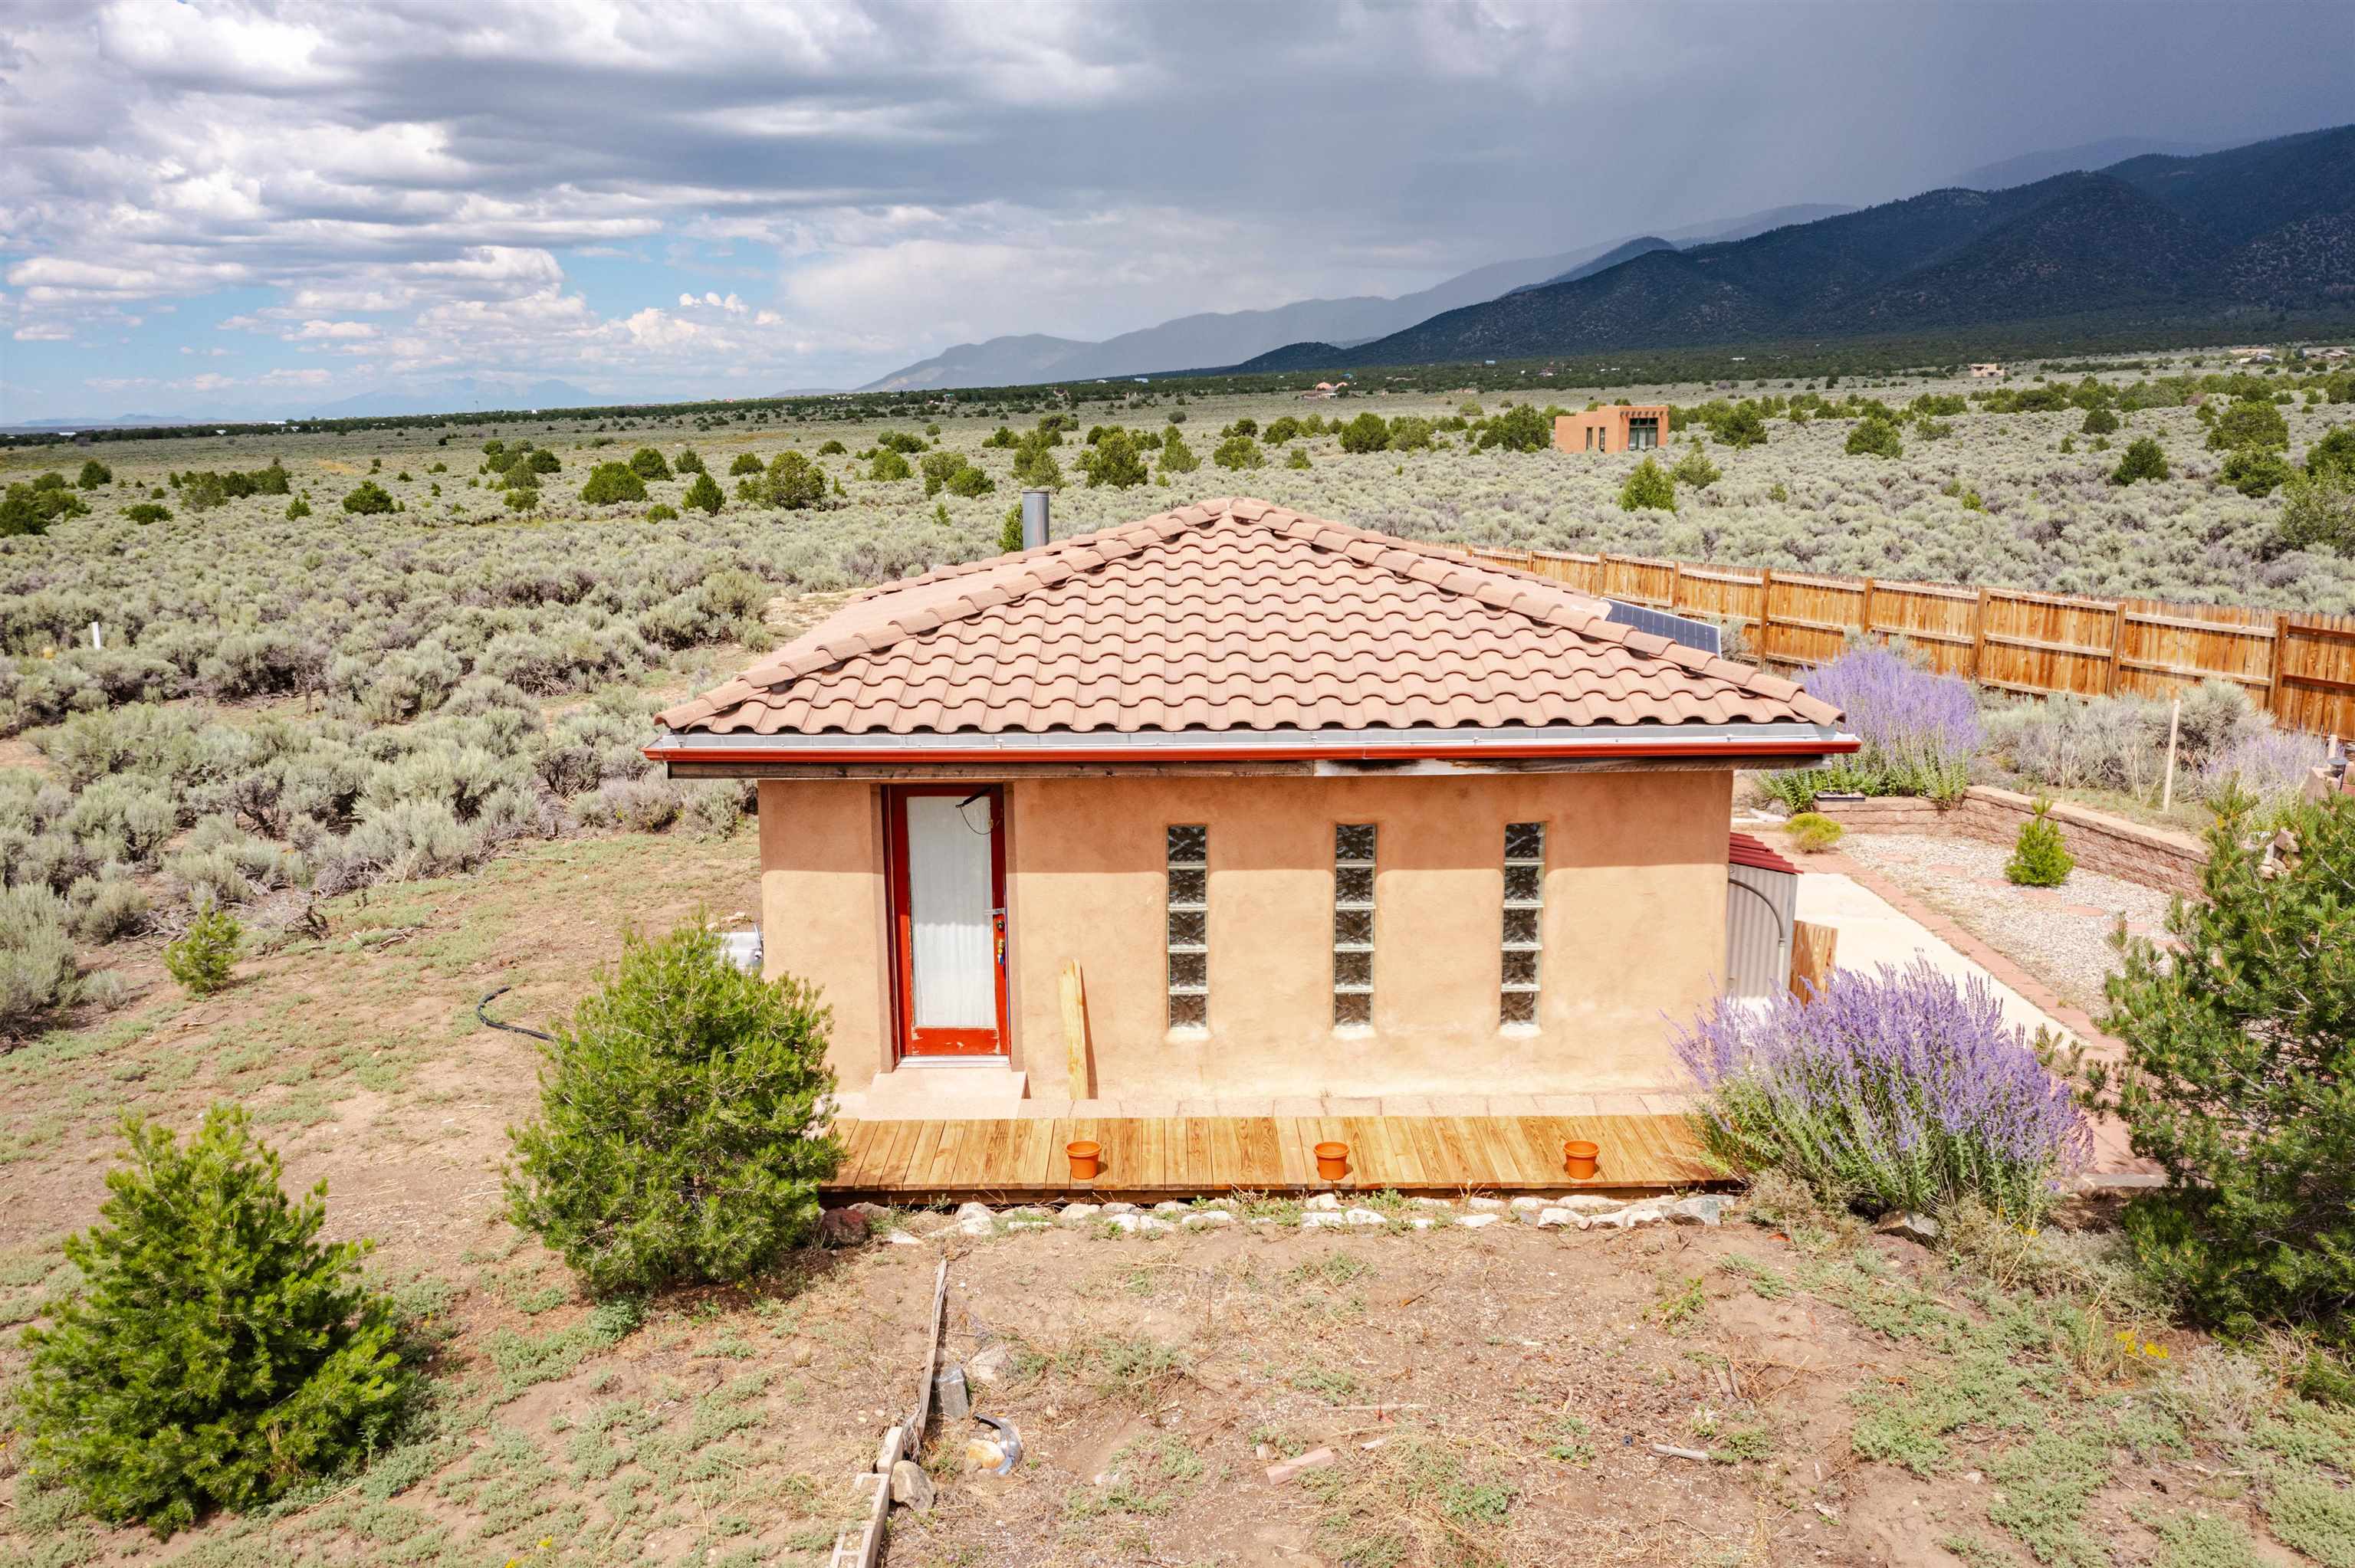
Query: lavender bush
(1920, 730)
(1895, 1090)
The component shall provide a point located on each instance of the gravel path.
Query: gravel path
(2060, 935)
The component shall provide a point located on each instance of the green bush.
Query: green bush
(2257, 471)
(746, 463)
(1114, 461)
(1695, 468)
(612, 482)
(1649, 486)
(94, 474)
(2041, 857)
(889, 465)
(704, 496)
(2236, 1076)
(1009, 532)
(1035, 467)
(1369, 432)
(687, 461)
(2098, 422)
(1812, 832)
(791, 483)
(1238, 452)
(1875, 437)
(1177, 457)
(2249, 423)
(647, 463)
(297, 510)
(148, 512)
(2144, 460)
(216, 1355)
(2318, 513)
(365, 498)
(676, 1137)
(1521, 429)
(204, 959)
(660, 512)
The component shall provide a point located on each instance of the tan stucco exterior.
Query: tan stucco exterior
(1616, 429)
(1633, 928)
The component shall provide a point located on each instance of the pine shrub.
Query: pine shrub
(1813, 832)
(204, 957)
(681, 1136)
(2235, 1082)
(216, 1355)
(1648, 485)
(2144, 460)
(2040, 858)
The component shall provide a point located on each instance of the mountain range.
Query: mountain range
(2265, 227)
(1225, 337)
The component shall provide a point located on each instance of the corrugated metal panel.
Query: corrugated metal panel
(1760, 906)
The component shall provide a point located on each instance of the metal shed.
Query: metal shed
(1761, 900)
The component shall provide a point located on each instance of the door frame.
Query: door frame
(940, 1043)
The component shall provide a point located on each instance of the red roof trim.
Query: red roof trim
(1741, 849)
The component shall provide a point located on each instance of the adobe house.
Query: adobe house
(1617, 428)
(1311, 809)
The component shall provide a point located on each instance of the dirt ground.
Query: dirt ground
(1491, 1396)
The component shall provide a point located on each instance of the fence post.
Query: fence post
(1675, 585)
(1978, 638)
(1865, 615)
(2275, 688)
(1603, 573)
(1766, 612)
(2117, 645)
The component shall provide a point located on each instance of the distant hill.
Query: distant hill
(1226, 337)
(1605, 262)
(452, 397)
(2027, 168)
(2155, 236)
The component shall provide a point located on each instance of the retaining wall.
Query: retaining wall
(2152, 857)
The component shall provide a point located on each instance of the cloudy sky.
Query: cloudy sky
(221, 207)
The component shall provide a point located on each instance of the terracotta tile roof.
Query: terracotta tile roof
(1741, 849)
(1231, 614)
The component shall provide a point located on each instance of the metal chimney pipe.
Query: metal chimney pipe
(1034, 518)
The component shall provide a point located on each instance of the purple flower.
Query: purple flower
(1900, 1090)
(1920, 730)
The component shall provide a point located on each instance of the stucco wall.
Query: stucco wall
(822, 910)
(1633, 928)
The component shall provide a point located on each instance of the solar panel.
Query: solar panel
(1682, 628)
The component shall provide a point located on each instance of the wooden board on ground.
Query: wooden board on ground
(1152, 1158)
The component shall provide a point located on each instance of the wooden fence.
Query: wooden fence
(2299, 668)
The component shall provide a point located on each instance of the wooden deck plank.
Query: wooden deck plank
(1022, 1158)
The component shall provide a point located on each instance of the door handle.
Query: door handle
(998, 930)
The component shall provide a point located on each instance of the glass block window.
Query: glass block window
(1353, 923)
(1524, 903)
(1190, 928)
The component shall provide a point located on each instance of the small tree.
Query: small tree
(1177, 457)
(890, 464)
(205, 957)
(2144, 459)
(1520, 429)
(1114, 461)
(647, 463)
(1369, 432)
(676, 1139)
(2249, 423)
(1238, 452)
(1034, 466)
(2041, 857)
(609, 482)
(2318, 513)
(1009, 532)
(1743, 427)
(1648, 485)
(216, 1355)
(687, 461)
(795, 484)
(1695, 469)
(745, 464)
(2098, 422)
(2240, 1050)
(363, 499)
(94, 474)
(704, 494)
(1875, 437)
(2257, 471)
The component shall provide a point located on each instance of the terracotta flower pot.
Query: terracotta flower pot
(1578, 1157)
(1087, 1159)
(1332, 1160)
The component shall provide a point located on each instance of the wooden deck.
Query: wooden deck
(1181, 1156)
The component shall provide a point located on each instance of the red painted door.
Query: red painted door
(948, 918)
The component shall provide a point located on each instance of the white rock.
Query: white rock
(1365, 1217)
(1433, 1204)
(989, 1364)
(1029, 1225)
(1552, 1219)
(1484, 1205)
(1589, 1203)
(1526, 1206)
(1171, 1206)
(1320, 1219)
(1474, 1222)
(1078, 1214)
(1697, 1211)
(1126, 1222)
(975, 1212)
(1202, 1219)
(901, 1238)
(1120, 1208)
(1152, 1223)
(1323, 1201)
(911, 1486)
(1423, 1221)
(977, 1225)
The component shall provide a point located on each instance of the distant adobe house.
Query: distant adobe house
(1988, 369)
(1617, 428)
(1313, 810)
